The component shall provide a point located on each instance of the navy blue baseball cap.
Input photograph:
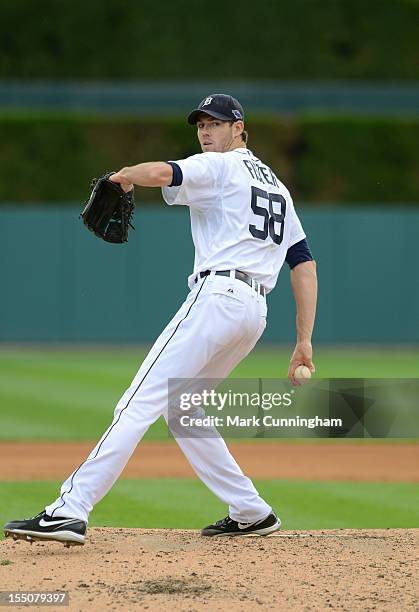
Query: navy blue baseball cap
(219, 106)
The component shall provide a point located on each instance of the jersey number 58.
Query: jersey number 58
(270, 217)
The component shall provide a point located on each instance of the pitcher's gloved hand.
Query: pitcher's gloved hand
(109, 210)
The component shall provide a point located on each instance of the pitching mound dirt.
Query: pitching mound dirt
(128, 569)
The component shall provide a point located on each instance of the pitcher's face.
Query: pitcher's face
(215, 135)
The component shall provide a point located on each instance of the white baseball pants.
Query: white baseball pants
(210, 334)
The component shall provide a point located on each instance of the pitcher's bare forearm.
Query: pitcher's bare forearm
(147, 174)
(304, 286)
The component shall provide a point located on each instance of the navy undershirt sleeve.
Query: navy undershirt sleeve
(298, 253)
(177, 174)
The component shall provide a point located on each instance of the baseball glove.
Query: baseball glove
(109, 210)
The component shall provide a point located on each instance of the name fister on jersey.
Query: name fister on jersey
(261, 172)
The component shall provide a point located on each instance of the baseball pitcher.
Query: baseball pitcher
(244, 228)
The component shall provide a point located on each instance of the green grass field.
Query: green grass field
(70, 393)
(188, 504)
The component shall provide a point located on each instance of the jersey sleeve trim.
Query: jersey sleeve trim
(177, 179)
(297, 253)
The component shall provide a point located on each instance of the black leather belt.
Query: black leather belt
(239, 275)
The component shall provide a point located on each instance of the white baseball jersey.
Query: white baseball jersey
(242, 216)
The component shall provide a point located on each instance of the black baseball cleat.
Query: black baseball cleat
(70, 531)
(228, 527)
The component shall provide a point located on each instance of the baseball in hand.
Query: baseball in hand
(302, 372)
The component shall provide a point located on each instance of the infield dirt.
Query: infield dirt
(136, 569)
(389, 462)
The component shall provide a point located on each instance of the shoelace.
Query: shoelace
(225, 521)
(30, 518)
(127, 211)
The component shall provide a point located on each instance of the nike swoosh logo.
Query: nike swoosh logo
(62, 522)
(245, 525)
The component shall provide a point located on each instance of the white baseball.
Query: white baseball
(302, 371)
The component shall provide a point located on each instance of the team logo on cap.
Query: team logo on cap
(207, 101)
(237, 114)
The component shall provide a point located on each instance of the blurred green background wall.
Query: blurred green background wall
(278, 39)
(61, 283)
(331, 94)
(336, 159)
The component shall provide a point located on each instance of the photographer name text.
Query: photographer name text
(255, 421)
